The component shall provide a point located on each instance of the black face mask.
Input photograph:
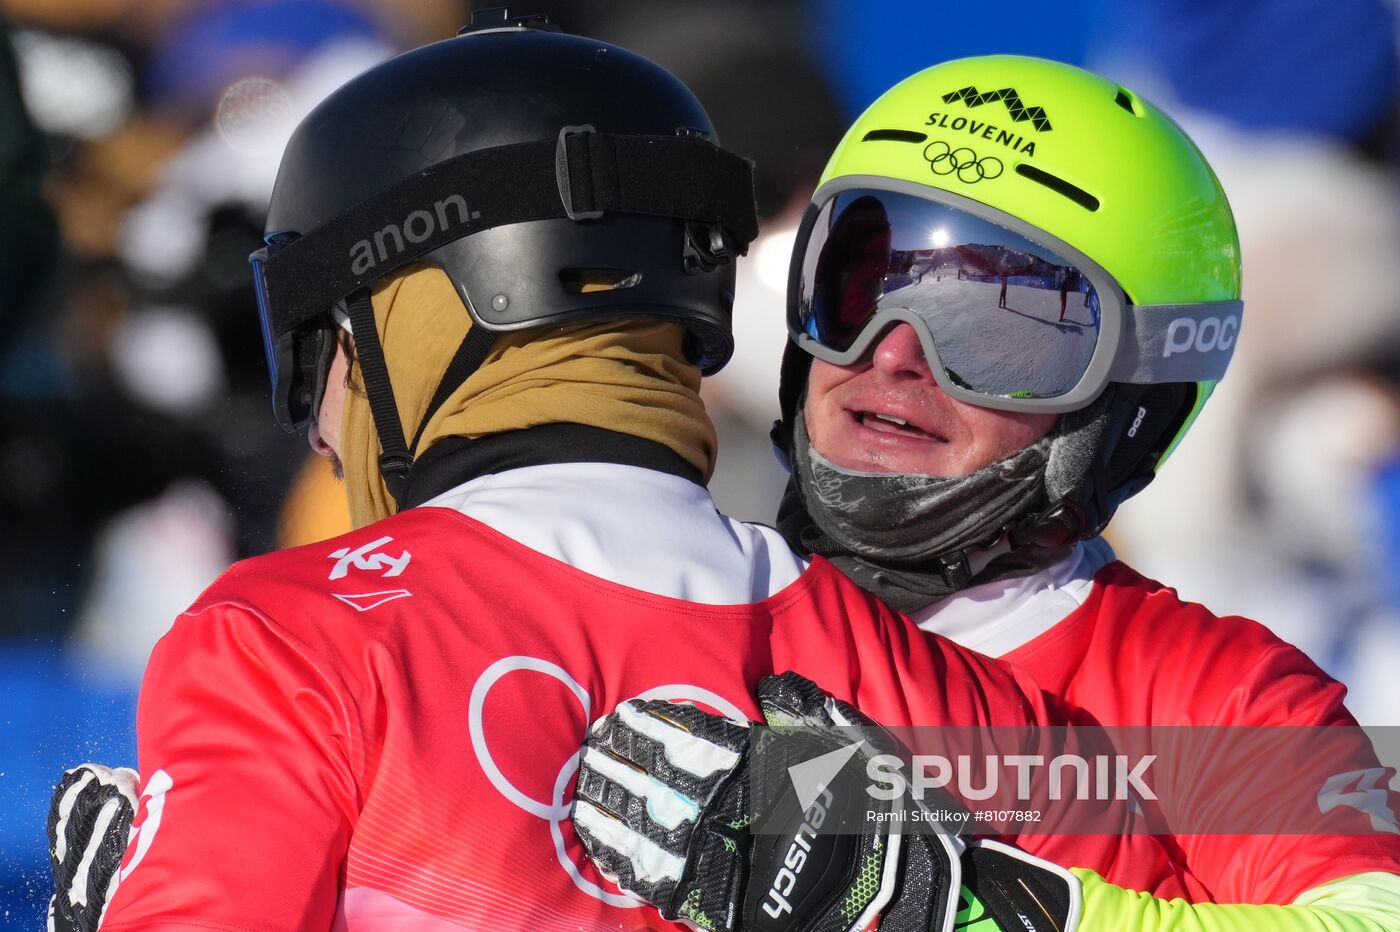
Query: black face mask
(891, 533)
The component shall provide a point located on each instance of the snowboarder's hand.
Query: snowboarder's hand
(89, 822)
(665, 799)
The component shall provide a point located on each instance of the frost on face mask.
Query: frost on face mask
(887, 530)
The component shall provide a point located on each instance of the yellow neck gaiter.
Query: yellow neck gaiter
(624, 376)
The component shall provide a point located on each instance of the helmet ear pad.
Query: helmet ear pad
(1146, 419)
(1102, 455)
(792, 390)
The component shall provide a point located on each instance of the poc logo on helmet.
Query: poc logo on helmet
(1212, 333)
(416, 228)
(1137, 421)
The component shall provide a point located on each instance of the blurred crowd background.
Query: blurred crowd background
(138, 456)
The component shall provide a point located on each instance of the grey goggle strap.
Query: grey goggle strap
(1177, 342)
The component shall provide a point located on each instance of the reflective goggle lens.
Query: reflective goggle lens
(1006, 316)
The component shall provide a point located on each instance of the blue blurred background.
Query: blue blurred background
(138, 144)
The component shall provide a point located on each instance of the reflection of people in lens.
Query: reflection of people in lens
(856, 259)
(1001, 301)
(1063, 277)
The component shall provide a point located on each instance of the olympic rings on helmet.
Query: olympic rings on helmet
(943, 159)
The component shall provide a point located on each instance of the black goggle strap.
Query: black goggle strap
(581, 175)
(394, 458)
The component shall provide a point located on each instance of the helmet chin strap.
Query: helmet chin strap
(394, 459)
(1053, 529)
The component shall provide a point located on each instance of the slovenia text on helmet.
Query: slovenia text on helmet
(553, 178)
(1087, 203)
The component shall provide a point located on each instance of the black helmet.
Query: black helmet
(553, 178)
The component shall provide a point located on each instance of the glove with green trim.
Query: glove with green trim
(666, 794)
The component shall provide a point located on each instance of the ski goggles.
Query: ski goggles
(1008, 316)
(298, 355)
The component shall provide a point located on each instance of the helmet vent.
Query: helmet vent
(594, 281)
(893, 135)
(1059, 186)
(1125, 100)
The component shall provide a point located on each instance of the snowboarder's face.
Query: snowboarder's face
(853, 415)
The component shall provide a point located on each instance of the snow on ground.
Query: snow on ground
(1006, 349)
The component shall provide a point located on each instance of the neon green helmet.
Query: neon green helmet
(1053, 181)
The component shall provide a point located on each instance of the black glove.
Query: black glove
(665, 797)
(89, 822)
